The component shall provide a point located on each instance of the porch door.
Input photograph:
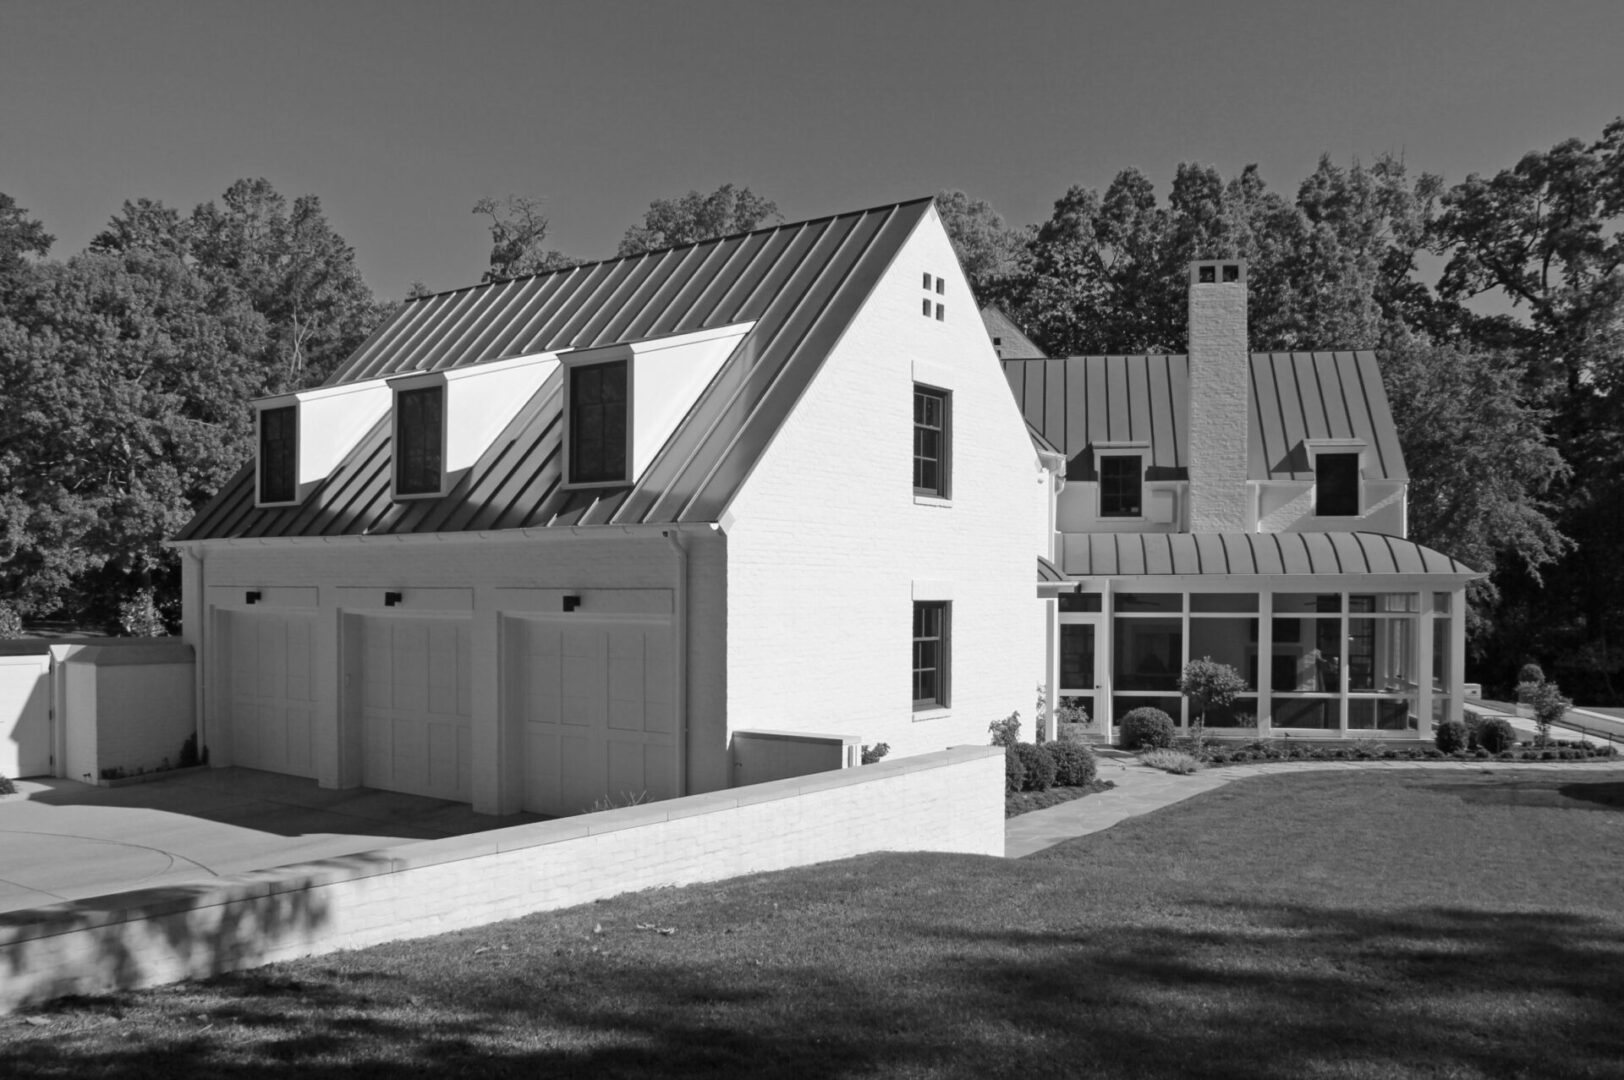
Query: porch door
(1080, 668)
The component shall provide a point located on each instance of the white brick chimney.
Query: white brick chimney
(1220, 385)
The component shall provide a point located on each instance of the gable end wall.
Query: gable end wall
(829, 546)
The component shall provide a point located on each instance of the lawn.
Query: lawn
(1360, 924)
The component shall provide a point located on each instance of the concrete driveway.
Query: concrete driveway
(63, 840)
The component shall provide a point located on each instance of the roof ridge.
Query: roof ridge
(674, 247)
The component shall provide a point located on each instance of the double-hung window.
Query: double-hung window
(930, 653)
(279, 454)
(932, 433)
(419, 441)
(598, 423)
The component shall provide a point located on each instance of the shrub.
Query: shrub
(1450, 736)
(1006, 732)
(1548, 705)
(1014, 771)
(1530, 673)
(1173, 761)
(1146, 727)
(1038, 764)
(139, 616)
(872, 754)
(1074, 764)
(6, 786)
(1210, 685)
(11, 623)
(1495, 734)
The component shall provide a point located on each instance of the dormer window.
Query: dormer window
(279, 455)
(1336, 485)
(1121, 486)
(419, 441)
(1120, 468)
(599, 428)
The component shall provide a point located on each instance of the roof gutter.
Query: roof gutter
(544, 533)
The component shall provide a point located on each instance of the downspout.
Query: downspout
(679, 616)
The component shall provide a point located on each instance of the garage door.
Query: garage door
(416, 704)
(597, 703)
(270, 700)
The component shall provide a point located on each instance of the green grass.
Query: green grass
(1362, 924)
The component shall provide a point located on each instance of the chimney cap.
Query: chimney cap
(1218, 272)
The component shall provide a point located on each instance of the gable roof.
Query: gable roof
(1008, 340)
(800, 284)
(1081, 400)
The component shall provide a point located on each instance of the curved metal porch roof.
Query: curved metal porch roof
(1249, 555)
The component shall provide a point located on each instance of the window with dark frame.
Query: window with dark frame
(1121, 485)
(278, 454)
(1336, 485)
(419, 440)
(930, 441)
(930, 654)
(598, 423)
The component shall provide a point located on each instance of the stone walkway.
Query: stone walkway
(1141, 789)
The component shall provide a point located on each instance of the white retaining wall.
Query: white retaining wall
(949, 801)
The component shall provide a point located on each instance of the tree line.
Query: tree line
(127, 367)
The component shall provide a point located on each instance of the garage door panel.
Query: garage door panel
(268, 701)
(415, 706)
(580, 766)
(593, 699)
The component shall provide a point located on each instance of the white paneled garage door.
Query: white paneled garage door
(25, 716)
(270, 698)
(415, 698)
(596, 698)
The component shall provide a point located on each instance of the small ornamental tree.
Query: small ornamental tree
(1548, 705)
(1210, 686)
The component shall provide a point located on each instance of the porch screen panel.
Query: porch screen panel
(1233, 641)
(1147, 653)
(1305, 668)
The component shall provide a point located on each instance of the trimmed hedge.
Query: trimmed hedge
(1450, 736)
(1495, 734)
(1074, 763)
(1038, 765)
(1146, 727)
(1014, 771)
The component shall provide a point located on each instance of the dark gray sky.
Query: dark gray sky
(401, 114)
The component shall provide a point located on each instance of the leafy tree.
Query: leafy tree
(693, 217)
(1548, 233)
(125, 376)
(20, 237)
(518, 235)
(1482, 465)
(298, 273)
(990, 251)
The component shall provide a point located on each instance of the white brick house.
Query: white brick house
(579, 535)
(1244, 507)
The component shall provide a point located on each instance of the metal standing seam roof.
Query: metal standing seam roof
(799, 283)
(1082, 400)
(1249, 554)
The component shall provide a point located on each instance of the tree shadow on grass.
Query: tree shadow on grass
(1231, 990)
(1551, 792)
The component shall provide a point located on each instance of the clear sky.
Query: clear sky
(399, 115)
